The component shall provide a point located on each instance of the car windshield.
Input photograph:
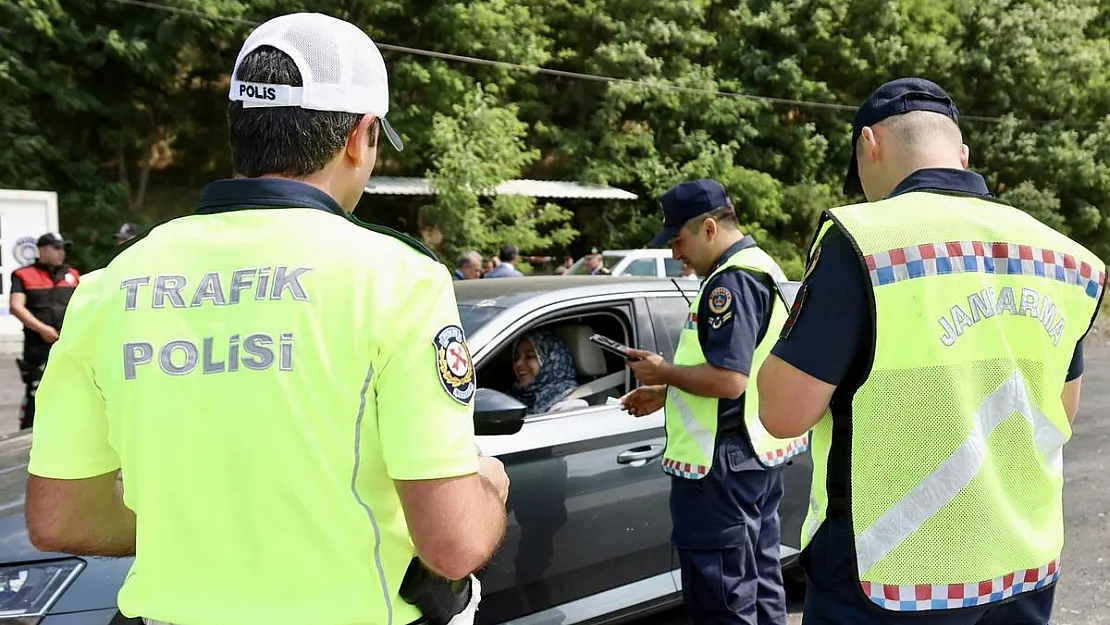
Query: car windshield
(607, 260)
(474, 316)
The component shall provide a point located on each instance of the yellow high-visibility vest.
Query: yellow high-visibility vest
(957, 432)
(692, 419)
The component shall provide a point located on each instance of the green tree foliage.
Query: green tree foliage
(120, 108)
(477, 148)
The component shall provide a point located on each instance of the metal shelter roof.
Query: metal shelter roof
(388, 185)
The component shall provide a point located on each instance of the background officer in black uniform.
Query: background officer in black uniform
(40, 295)
(594, 263)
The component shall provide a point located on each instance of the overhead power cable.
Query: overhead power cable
(549, 71)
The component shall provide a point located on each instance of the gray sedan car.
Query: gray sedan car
(589, 523)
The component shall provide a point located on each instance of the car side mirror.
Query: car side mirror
(497, 414)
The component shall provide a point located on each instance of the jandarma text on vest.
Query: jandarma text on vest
(251, 351)
(985, 304)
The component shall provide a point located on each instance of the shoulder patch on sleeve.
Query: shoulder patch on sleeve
(453, 364)
(720, 300)
(720, 307)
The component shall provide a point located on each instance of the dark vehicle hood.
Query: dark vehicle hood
(15, 450)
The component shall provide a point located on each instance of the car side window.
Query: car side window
(641, 267)
(673, 267)
(668, 316)
(596, 375)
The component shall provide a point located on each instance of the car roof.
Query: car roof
(510, 291)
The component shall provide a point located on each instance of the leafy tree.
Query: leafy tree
(477, 148)
(120, 109)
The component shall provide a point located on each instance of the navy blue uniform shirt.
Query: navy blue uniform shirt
(731, 325)
(831, 336)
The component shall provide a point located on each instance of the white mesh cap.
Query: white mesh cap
(341, 69)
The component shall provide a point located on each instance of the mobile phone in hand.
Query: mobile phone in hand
(611, 346)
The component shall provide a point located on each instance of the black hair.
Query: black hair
(725, 214)
(287, 141)
(508, 253)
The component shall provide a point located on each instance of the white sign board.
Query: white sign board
(24, 217)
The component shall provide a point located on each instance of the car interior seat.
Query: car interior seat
(589, 360)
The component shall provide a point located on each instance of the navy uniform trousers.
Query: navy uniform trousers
(834, 596)
(726, 532)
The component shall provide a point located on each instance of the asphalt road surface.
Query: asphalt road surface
(1081, 597)
(1084, 588)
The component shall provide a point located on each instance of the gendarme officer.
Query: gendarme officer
(727, 472)
(935, 350)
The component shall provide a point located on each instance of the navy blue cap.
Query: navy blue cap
(685, 201)
(894, 98)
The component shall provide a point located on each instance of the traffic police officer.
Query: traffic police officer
(39, 297)
(936, 346)
(727, 472)
(278, 411)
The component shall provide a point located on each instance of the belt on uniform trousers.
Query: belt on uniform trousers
(732, 430)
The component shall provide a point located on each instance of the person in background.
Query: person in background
(39, 298)
(507, 267)
(595, 265)
(490, 264)
(568, 262)
(545, 373)
(688, 272)
(468, 266)
(126, 232)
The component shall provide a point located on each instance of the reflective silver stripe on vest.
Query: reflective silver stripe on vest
(955, 473)
(703, 437)
(813, 521)
(361, 502)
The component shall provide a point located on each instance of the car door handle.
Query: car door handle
(639, 456)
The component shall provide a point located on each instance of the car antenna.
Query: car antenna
(681, 292)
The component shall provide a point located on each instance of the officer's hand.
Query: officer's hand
(649, 369)
(492, 469)
(49, 335)
(645, 400)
